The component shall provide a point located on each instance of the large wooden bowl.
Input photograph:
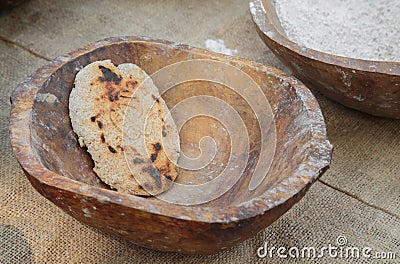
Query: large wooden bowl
(369, 86)
(47, 149)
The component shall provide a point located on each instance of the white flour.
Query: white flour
(364, 29)
(219, 46)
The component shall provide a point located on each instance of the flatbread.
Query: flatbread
(128, 155)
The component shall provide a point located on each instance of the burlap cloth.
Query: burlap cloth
(359, 197)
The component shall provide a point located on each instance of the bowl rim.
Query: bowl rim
(20, 118)
(265, 17)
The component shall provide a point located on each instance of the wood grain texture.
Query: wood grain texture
(48, 151)
(372, 87)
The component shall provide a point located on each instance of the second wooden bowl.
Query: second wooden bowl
(368, 86)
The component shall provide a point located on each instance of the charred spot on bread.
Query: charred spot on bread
(99, 124)
(113, 97)
(103, 139)
(130, 84)
(164, 132)
(137, 160)
(109, 75)
(157, 146)
(154, 173)
(111, 149)
(93, 119)
(153, 157)
(112, 93)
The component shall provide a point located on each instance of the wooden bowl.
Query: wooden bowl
(369, 86)
(47, 149)
(4, 4)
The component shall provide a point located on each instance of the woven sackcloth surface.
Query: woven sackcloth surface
(358, 197)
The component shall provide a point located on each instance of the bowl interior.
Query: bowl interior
(55, 143)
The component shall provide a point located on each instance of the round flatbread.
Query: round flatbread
(132, 160)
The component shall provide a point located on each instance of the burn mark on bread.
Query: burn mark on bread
(93, 119)
(113, 97)
(103, 139)
(157, 146)
(111, 149)
(164, 132)
(153, 157)
(112, 93)
(129, 84)
(137, 160)
(169, 177)
(109, 75)
(154, 173)
(99, 124)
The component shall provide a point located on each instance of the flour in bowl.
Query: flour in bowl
(363, 29)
